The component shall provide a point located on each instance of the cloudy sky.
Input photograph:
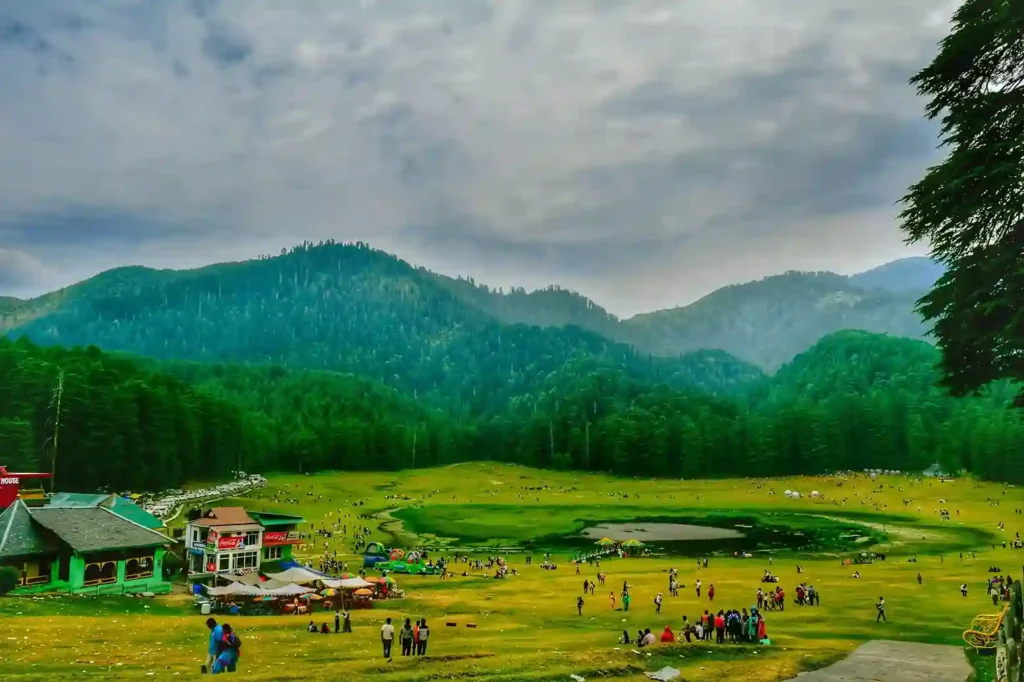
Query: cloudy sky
(643, 152)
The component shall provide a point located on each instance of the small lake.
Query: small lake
(659, 532)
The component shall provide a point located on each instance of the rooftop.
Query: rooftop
(19, 536)
(117, 504)
(96, 529)
(225, 516)
(268, 519)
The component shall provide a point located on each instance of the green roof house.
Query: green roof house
(84, 549)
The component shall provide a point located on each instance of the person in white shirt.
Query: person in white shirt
(387, 638)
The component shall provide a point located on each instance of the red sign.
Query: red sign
(231, 543)
(215, 541)
(10, 484)
(273, 538)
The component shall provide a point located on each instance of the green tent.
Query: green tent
(605, 542)
(632, 542)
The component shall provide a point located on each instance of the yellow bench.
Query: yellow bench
(982, 635)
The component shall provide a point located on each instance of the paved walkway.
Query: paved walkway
(887, 661)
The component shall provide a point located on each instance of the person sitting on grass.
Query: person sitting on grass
(625, 637)
(667, 636)
(649, 638)
(324, 630)
(311, 627)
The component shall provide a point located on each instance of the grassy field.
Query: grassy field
(527, 625)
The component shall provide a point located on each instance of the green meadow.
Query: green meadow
(526, 625)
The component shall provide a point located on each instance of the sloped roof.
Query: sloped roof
(267, 519)
(19, 536)
(96, 529)
(225, 516)
(117, 504)
(133, 512)
(76, 500)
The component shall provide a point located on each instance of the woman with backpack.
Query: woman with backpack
(227, 658)
(421, 650)
(405, 637)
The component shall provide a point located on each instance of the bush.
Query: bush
(9, 578)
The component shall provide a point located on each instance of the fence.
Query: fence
(1008, 641)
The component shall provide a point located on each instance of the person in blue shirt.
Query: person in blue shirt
(227, 658)
(216, 635)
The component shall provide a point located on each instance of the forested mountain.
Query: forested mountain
(345, 308)
(855, 400)
(914, 275)
(769, 321)
(351, 308)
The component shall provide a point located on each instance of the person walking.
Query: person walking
(579, 605)
(387, 638)
(880, 606)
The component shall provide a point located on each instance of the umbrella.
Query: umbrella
(265, 599)
(329, 592)
(388, 579)
(363, 593)
(314, 597)
(605, 542)
(372, 579)
(632, 542)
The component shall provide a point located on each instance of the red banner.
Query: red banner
(280, 537)
(231, 543)
(8, 490)
(214, 540)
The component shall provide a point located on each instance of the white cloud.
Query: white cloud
(580, 142)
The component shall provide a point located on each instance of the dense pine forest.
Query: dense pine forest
(855, 400)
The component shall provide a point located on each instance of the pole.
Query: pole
(58, 396)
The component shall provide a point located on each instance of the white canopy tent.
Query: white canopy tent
(296, 574)
(347, 583)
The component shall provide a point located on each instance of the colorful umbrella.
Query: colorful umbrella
(313, 596)
(388, 579)
(329, 592)
(265, 599)
(372, 579)
(363, 593)
(605, 542)
(632, 542)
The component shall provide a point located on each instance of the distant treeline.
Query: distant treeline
(854, 401)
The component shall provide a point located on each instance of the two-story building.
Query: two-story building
(226, 541)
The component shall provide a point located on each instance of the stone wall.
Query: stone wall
(1008, 649)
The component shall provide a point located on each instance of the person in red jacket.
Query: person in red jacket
(667, 635)
(711, 592)
(720, 628)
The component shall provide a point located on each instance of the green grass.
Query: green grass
(527, 626)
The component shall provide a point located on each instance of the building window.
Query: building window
(252, 538)
(271, 553)
(246, 560)
(139, 568)
(100, 573)
(224, 562)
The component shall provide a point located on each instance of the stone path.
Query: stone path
(887, 661)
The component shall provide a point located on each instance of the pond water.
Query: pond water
(718, 533)
(659, 532)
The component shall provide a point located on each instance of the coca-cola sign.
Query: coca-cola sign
(279, 537)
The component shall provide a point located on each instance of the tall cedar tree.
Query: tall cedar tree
(971, 206)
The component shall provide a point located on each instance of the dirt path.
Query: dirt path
(887, 661)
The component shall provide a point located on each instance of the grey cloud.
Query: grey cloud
(613, 147)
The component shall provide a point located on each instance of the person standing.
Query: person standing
(405, 637)
(880, 607)
(963, 589)
(424, 634)
(337, 620)
(346, 622)
(711, 592)
(579, 605)
(657, 603)
(697, 586)
(387, 638)
(216, 635)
